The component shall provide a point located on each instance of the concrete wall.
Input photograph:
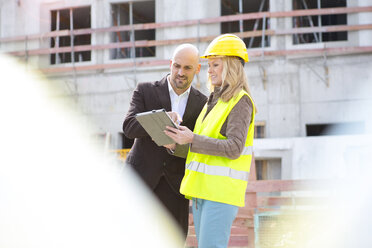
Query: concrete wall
(327, 157)
(296, 92)
(289, 93)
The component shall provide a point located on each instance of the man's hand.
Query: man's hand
(170, 147)
(176, 118)
(181, 136)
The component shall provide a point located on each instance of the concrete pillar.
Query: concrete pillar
(365, 36)
(168, 11)
(279, 42)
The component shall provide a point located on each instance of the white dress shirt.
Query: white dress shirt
(178, 102)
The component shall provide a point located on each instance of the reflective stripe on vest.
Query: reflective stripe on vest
(217, 170)
(247, 150)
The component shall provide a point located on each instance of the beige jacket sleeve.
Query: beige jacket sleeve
(235, 129)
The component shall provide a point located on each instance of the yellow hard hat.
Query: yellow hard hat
(227, 45)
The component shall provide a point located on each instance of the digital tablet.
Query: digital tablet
(155, 122)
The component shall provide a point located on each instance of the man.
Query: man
(160, 170)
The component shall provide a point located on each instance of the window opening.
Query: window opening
(268, 169)
(233, 7)
(319, 21)
(345, 128)
(261, 169)
(128, 14)
(70, 19)
(259, 129)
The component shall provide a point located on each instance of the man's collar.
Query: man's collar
(171, 90)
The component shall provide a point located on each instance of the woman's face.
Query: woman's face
(215, 67)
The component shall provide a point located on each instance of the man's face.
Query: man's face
(183, 68)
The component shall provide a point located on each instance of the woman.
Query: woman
(220, 153)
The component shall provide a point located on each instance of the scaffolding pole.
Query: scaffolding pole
(56, 59)
(263, 34)
(241, 29)
(319, 21)
(263, 70)
(132, 39)
(256, 23)
(310, 21)
(72, 51)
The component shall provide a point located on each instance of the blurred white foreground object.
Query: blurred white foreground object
(56, 188)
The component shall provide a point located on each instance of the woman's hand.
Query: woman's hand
(181, 136)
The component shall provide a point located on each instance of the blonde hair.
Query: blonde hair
(233, 78)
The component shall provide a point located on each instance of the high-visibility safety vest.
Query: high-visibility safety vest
(218, 178)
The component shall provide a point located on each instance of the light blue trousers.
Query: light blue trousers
(213, 221)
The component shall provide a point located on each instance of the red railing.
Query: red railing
(150, 43)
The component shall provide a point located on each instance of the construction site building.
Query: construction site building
(310, 68)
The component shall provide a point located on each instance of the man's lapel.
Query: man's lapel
(163, 93)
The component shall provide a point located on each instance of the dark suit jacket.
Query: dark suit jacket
(149, 160)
